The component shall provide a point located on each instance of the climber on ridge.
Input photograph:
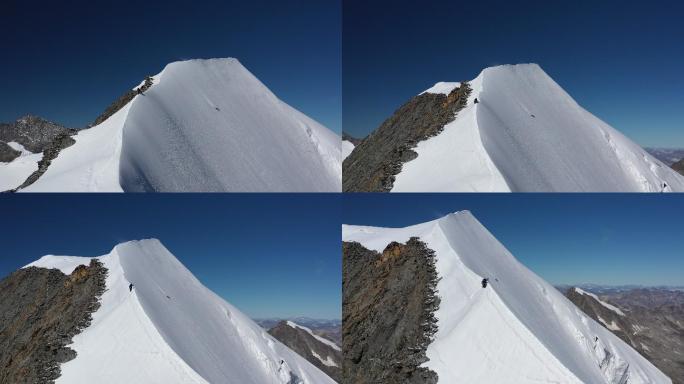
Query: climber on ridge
(484, 282)
(130, 287)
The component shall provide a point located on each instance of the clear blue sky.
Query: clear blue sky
(608, 239)
(66, 61)
(271, 255)
(621, 60)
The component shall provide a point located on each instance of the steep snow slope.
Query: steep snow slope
(204, 125)
(609, 306)
(171, 329)
(517, 330)
(14, 173)
(527, 134)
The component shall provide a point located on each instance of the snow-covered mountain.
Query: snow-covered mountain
(348, 144)
(319, 351)
(519, 329)
(524, 134)
(203, 125)
(171, 329)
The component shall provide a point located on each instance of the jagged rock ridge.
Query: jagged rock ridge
(648, 319)
(373, 164)
(388, 306)
(40, 311)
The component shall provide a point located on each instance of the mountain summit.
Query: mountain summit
(513, 327)
(199, 126)
(156, 323)
(514, 130)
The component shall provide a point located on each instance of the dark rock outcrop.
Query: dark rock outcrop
(653, 323)
(305, 345)
(33, 132)
(351, 139)
(373, 164)
(388, 305)
(122, 101)
(60, 142)
(36, 135)
(7, 153)
(40, 311)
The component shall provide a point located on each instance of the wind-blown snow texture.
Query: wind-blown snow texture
(171, 329)
(527, 134)
(204, 125)
(519, 329)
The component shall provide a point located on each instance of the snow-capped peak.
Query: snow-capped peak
(203, 125)
(168, 327)
(609, 306)
(519, 329)
(526, 134)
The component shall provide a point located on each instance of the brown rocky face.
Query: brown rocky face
(40, 311)
(388, 304)
(375, 162)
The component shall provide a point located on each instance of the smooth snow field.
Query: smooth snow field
(527, 134)
(171, 329)
(203, 126)
(519, 329)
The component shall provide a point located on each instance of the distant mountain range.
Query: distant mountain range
(328, 328)
(318, 350)
(668, 156)
(651, 320)
(134, 315)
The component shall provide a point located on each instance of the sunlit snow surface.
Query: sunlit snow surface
(15, 172)
(519, 329)
(527, 134)
(347, 148)
(315, 336)
(205, 125)
(171, 329)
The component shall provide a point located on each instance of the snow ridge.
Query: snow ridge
(204, 125)
(315, 336)
(609, 306)
(171, 329)
(517, 330)
(526, 134)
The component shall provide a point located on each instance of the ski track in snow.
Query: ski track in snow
(517, 330)
(527, 134)
(171, 329)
